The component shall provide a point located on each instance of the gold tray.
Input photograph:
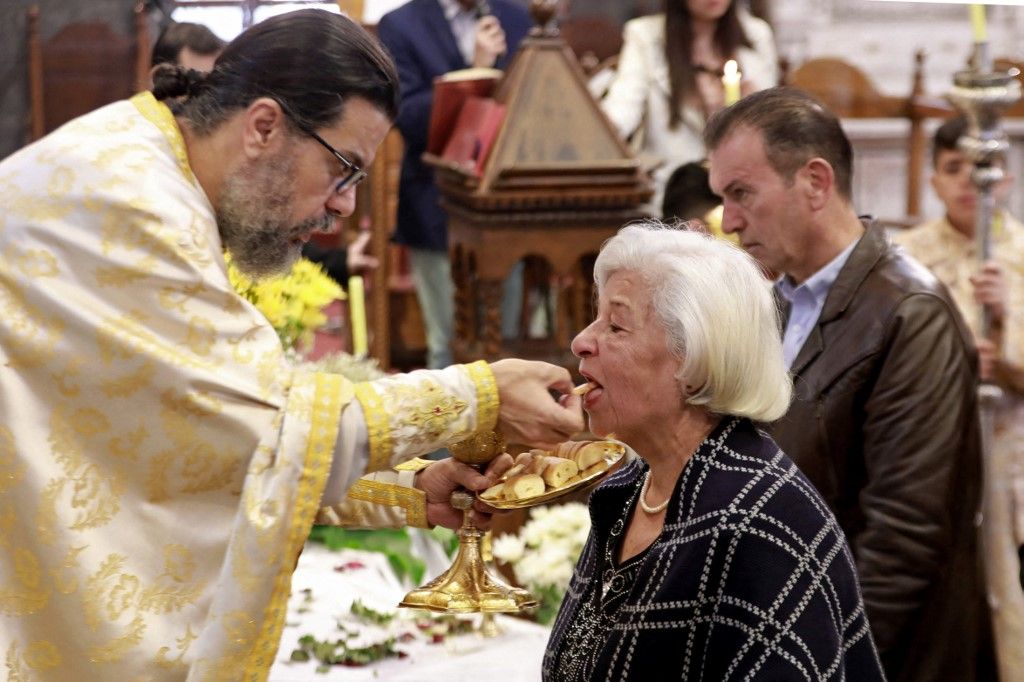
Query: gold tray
(612, 462)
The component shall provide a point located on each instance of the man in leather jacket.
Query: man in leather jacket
(884, 420)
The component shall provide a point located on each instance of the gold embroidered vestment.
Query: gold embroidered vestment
(160, 461)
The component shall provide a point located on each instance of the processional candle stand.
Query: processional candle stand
(980, 93)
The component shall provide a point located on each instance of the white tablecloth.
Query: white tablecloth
(513, 656)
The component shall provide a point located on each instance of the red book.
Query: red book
(450, 92)
(478, 124)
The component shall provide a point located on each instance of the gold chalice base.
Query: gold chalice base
(467, 586)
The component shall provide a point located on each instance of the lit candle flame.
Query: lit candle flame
(731, 82)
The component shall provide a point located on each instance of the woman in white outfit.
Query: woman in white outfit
(669, 77)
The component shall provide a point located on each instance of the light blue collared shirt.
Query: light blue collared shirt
(463, 24)
(806, 302)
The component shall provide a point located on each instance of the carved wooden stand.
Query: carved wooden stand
(485, 249)
(557, 183)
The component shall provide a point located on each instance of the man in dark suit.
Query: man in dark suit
(884, 419)
(428, 38)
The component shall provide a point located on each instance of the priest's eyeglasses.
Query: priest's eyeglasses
(352, 174)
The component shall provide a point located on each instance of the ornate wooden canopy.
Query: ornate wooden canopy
(557, 182)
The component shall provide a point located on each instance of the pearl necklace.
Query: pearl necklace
(643, 494)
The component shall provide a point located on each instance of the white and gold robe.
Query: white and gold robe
(160, 462)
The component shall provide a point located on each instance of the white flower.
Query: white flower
(560, 575)
(530, 569)
(579, 533)
(534, 533)
(544, 553)
(508, 548)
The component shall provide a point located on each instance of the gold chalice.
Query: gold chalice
(467, 586)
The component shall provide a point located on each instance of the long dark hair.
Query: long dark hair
(311, 60)
(729, 37)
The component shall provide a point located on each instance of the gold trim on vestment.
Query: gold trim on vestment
(377, 428)
(415, 464)
(319, 455)
(487, 402)
(160, 115)
(413, 501)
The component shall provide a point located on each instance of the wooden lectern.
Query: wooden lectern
(556, 183)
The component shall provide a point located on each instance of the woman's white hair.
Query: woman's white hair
(718, 313)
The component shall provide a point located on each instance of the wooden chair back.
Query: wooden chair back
(593, 39)
(849, 93)
(82, 67)
(1004, 64)
(383, 211)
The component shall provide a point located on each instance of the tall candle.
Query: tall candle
(357, 314)
(978, 23)
(731, 82)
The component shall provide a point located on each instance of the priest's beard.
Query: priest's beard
(253, 213)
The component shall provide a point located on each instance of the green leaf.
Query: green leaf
(394, 544)
(367, 614)
(448, 539)
(550, 598)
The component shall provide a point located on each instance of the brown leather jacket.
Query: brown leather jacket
(884, 422)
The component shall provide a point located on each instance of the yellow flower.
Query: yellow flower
(291, 303)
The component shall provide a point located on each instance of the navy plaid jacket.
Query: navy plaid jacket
(751, 579)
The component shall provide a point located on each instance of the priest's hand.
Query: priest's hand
(528, 414)
(439, 480)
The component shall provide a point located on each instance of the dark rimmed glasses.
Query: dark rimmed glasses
(353, 173)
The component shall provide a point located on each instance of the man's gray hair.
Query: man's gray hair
(718, 313)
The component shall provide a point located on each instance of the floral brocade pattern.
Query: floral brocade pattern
(161, 462)
(145, 390)
(419, 413)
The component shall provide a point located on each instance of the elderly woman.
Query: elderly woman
(711, 557)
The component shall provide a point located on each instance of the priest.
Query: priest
(160, 461)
